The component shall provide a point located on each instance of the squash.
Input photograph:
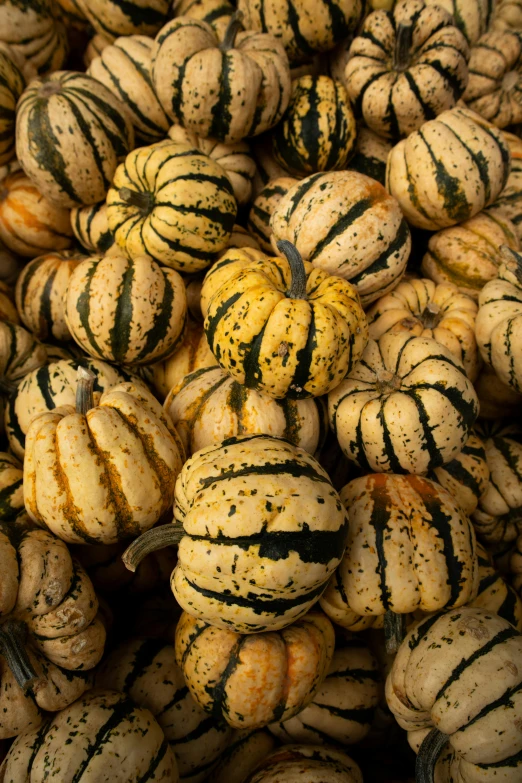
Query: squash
(468, 255)
(252, 680)
(495, 398)
(216, 12)
(236, 159)
(12, 86)
(95, 47)
(241, 757)
(472, 17)
(343, 708)
(449, 170)
(109, 576)
(259, 542)
(239, 238)
(50, 635)
(173, 203)
(30, 224)
(346, 224)
(466, 477)
(193, 354)
(11, 492)
(495, 594)
(91, 229)
(510, 200)
(102, 735)
(125, 311)
(20, 354)
(8, 311)
(283, 327)
(457, 671)
(516, 566)
(267, 166)
(208, 406)
(303, 26)
(317, 131)
(499, 320)
(104, 473)
(247, 84)
(113, 18)
(306, 764)
(508, 15)
(71, 134)
(370, 154)
(33, 33)
(407, 407)
(263, 207)
(406, 67)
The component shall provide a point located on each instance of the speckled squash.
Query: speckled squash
(510, 200)
(34, 34)
(245, 752)
(113, 18)
(129, 745)
(406, 67)
(20, 353)
(466, 477)
(346, 223)
(306, 764)
(216, 12)
(193, 354)
(407, 407)
(250, 681)
(370, 154)
(12, 84)
(29, 223)
(472, 17)
(263, 207)
(173, 203)
(495, 594)
(11, 492)
(95, 47)
(234, 259)
(71, 134)
(247, 85)
(91, 229)
(449, 170)
(126, 311)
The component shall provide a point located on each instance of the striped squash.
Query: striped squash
(472, 17)
(370, 154)
(112, 18)
(94, 48)
(236, 159)
(161, 190)
(40, 290)
(240, 238)
(125, 311)
(102, 735)
(457, 671)
(34, 34)
(147, 672)
(466, 477)
(334, 604)
(71, 134)
(216, 13)
(317, 132)
(510, 200)
(345, 223)
(450, 169)
(30, 224)
(208, 406)
(306, 764)
(495, 398)
(508, 15)
(124, 68)
(109, 576)
(407, 407)
(263, 207)
(468, 255)
(20, 353)
(232, 260)
(8, 311)
(343, 708)
(246, 680)
(11, 491)
(495, 594)
(193, 354)
(424, 309)
(12, 84)
(245, 752)
(406, 67)
(91, 229)
(267, 166)
(516, 566)
(283, 327)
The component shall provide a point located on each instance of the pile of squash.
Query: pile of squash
(261, 391)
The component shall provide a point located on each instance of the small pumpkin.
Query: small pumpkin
(95, 47)
(241, 757)
(216, 12)
(38, 39)
(11, 492)
(370, 154)
(306, 764)
(466, 477)
(13, 85)
(346, 224)
(508, 15)
(495, 594)
(91, 229)
(252, 680)
(193, 354)
(113, 18)
(263, 207)
(510, 200)
(449, 170)
(20, 354)
(472, 17)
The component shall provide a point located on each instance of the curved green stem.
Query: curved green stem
(135, 198)
(430, 750)
(234, 26)
(403, 46)
(297, 288)
(13, 635)
(393, 631)
(84, 390)
(154, 539)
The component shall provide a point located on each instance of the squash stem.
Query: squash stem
(393, 631)
(143, 201)
(154, 539)
(234, 26)
(431, 316)
(430, 750)
(84, 391)
(403, 46)
(297, 288)
(13, 634)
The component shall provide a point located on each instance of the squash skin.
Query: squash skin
(306, 764)
(495, 594)
(11, 492)
(263, 207)
(472, 17)
(370, 154)
(91, 229)
(193, 354)
(216, 12)
(498, 517)
(113, 18)
(20, 353)
(466, 477)
(245, 752)
(13, 85)
(37, 38)
(510, 200)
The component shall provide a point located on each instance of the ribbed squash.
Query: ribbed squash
(306, 764)
(495, 594)
(496, 399)
(317, 132)
(370, 154)
(35, 35)
(250, 681)
(232, 259)
(112, 18)
(94, 48)
(466, 477)
(20, 354)
(126, 311)
(216, 12)
(267, 166)
(247, 79)
(91, 229)
(407, 407)
(173, 203)
(245, 752)
(12, 85)
(472, 17)
(449, 170)
(406, 67)
(71, 134)
(508, 15)
(460, 672)
(283, 327)
(193, 354)
(11, 492)
(510, 200)
(102, 735)
(468, 255)
(124, 68)
(346, 223)
(262, 208)
(240, 238)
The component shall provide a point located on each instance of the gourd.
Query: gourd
(51, 635)
(449, 170)
(247, 85)
(241, 757)
(370, 154)
(406, 67)
(457, 671)
(145, 670)
(306, 764)
(466, 477)
(317, 131)
(208, 406)
(13, 84)
(252, 680)
(267, 166)
(102, 735)
(495, 594)
(346, 224)
(125, 311)
(11, 493)
(407, 407)
(37, 38)
(499, 320)
(283, 327)
(95, 47)
(71, 134)
(472, 17)
(216, 12)
(424, 309)
(103, 473)
(239, 238)
(91, 229)
(162, 190)
(269, 534)
(508, 16)
(510, 200)
(193, 354)
(124, 68)
(468, 255)
(263, 207)
(20, 354)
(30, 224)
(113, 18)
